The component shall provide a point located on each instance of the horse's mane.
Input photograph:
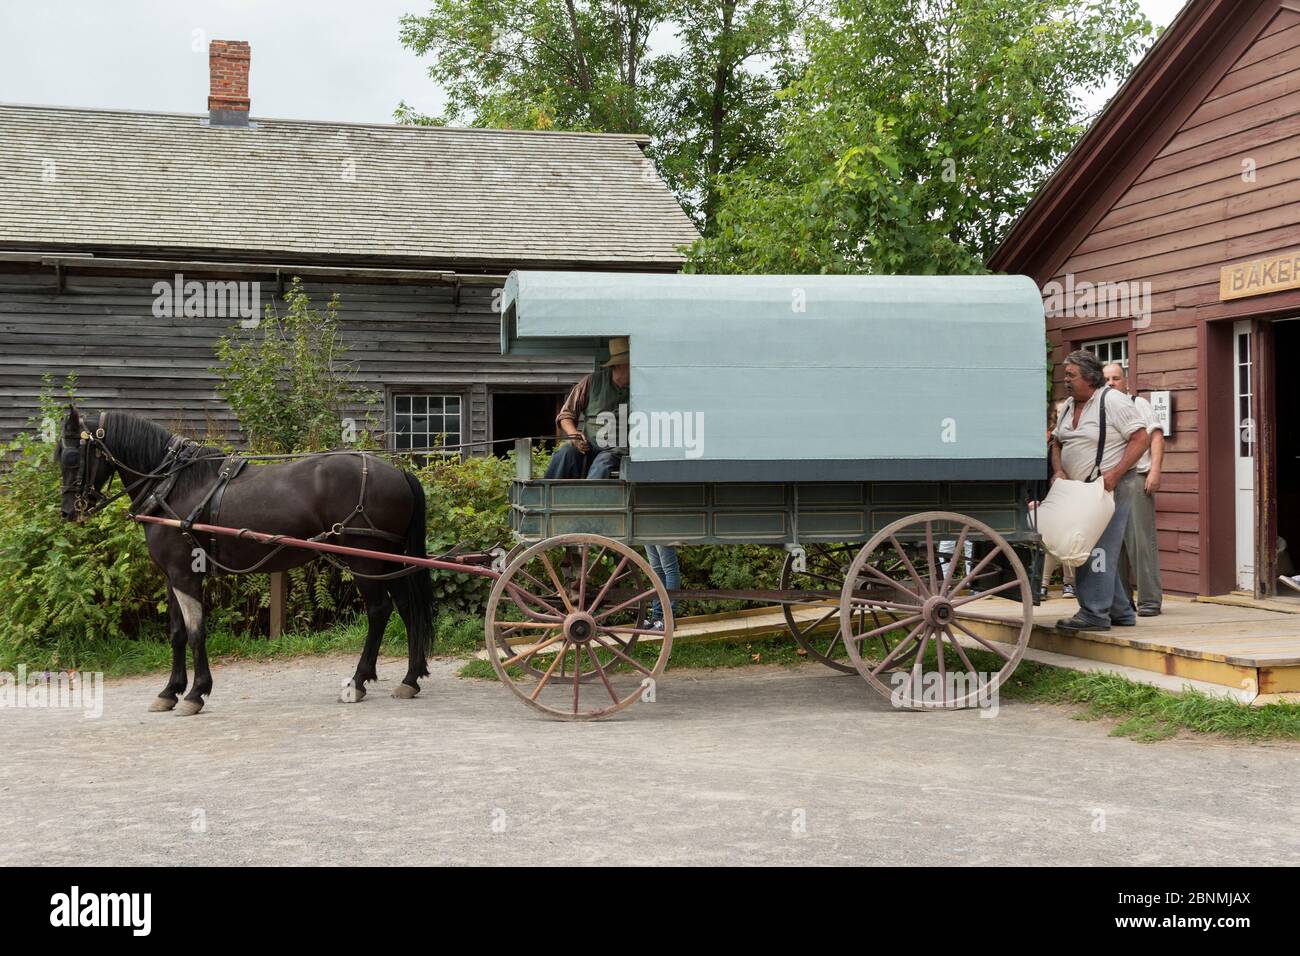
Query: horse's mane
(143, 443)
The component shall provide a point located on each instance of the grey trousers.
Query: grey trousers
(1141, 562)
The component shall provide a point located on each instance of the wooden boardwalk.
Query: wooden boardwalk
(1254, 650)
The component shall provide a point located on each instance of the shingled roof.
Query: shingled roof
(130, 183)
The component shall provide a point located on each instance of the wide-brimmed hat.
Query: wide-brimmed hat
(618, 351)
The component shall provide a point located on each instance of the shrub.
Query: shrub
(287, 380)
(468, 510)
(65, 581)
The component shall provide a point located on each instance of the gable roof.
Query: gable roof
(166, 183)
(1134, 125)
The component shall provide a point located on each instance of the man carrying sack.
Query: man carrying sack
(597, 400)
(1100, 436)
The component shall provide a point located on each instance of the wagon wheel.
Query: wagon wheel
(825, 569)
(578, 600)
(827, 566)
(931, 601)
(567, 567)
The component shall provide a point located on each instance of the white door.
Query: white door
(1245, 457)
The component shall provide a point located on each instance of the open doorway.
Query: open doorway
(523, 415)
(1286, 345)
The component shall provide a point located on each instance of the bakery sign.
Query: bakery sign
(1260, 276)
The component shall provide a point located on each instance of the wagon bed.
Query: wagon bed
(725, 513)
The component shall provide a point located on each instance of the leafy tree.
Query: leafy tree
(588, 66)
(713, 105)
(537, 64)
(916, 133)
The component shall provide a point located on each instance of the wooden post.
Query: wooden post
(277, 604)
(524, 459)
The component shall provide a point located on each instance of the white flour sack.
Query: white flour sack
(1072, 517)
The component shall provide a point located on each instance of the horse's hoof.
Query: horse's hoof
(405, 691)
(188, 708)
(162, 704)
(352, 693)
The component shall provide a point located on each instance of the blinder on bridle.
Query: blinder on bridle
(90, 448)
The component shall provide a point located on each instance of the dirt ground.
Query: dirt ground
(759, 765)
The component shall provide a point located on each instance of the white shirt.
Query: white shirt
(1149, 418)
(1079, 445)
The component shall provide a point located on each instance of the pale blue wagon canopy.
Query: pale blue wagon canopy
(807, 378)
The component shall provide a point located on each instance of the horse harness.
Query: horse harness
(182, 453)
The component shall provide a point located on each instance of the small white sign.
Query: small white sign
(1162, 406)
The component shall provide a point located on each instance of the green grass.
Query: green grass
(1148, 713)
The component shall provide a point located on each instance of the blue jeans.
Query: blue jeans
(663, 561)
(568, 462)
(1103, 598)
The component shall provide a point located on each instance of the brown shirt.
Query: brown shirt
(575, 403)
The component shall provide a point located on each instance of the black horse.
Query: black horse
(345, 498)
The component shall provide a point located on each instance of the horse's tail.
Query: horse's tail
(417, 588)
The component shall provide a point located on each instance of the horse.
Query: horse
(345, 497)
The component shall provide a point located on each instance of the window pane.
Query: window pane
(423, 420)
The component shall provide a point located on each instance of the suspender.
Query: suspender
(1101, 432)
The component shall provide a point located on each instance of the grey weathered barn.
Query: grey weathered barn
(414, 227)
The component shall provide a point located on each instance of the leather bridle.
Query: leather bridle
(90, 500)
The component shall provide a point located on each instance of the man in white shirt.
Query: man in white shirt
(1140, 561)
(1103, 601)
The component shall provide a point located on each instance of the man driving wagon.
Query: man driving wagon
(598, 398)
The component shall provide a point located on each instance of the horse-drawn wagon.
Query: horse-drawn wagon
(883, 430)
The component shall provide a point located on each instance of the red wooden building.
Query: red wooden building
(1169, 238)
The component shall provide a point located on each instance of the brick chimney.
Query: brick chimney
(228, 93)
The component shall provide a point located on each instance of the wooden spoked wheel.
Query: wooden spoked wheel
(915, 575)
(815, 625)
(563, 622)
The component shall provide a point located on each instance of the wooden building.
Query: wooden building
(1169, 239)
(414, 227)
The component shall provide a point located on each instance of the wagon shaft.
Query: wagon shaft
(466, 563)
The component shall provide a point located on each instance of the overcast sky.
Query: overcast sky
(312, 59)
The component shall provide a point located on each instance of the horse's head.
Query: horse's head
(84, 470)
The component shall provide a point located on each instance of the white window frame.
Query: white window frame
(424, 439)
(1105, 350)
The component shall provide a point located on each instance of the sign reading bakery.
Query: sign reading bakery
(1260, 276)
